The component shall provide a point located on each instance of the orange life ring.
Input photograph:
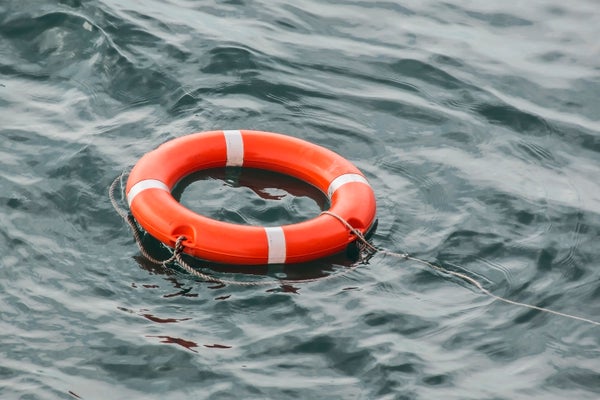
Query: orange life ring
(153, 177)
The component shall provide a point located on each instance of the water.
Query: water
(477, 125)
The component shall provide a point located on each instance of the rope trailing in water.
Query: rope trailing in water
(366, 249)
(474, 282)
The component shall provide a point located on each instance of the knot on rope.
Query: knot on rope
(178, 249)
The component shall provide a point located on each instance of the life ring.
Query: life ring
(153, 177)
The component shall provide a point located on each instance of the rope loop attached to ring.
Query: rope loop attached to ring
(365, 248)
(177, 255)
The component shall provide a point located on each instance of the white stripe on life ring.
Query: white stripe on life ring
(276, 241)
(342, 180)
(235, 148)
(143, 185)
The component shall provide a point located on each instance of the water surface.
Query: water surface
(476, 124)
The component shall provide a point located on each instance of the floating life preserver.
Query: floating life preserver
(153, 177)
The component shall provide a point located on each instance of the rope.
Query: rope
(366, 250)
(474, 282)
(355, 231)
(269, 282)
(137, 234)
(111, 195)
(178, 251)
(485, 291)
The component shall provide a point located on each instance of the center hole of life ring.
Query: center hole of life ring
(250, 196)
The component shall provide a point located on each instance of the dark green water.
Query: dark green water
(477, 125)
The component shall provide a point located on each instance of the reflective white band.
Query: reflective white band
(276, 240)
(235, 148)
(143, 185)
(342, 180)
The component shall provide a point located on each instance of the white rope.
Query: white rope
(479, 286)
(366, 249)
(474, 282)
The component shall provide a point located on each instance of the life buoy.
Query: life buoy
(153, 177)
